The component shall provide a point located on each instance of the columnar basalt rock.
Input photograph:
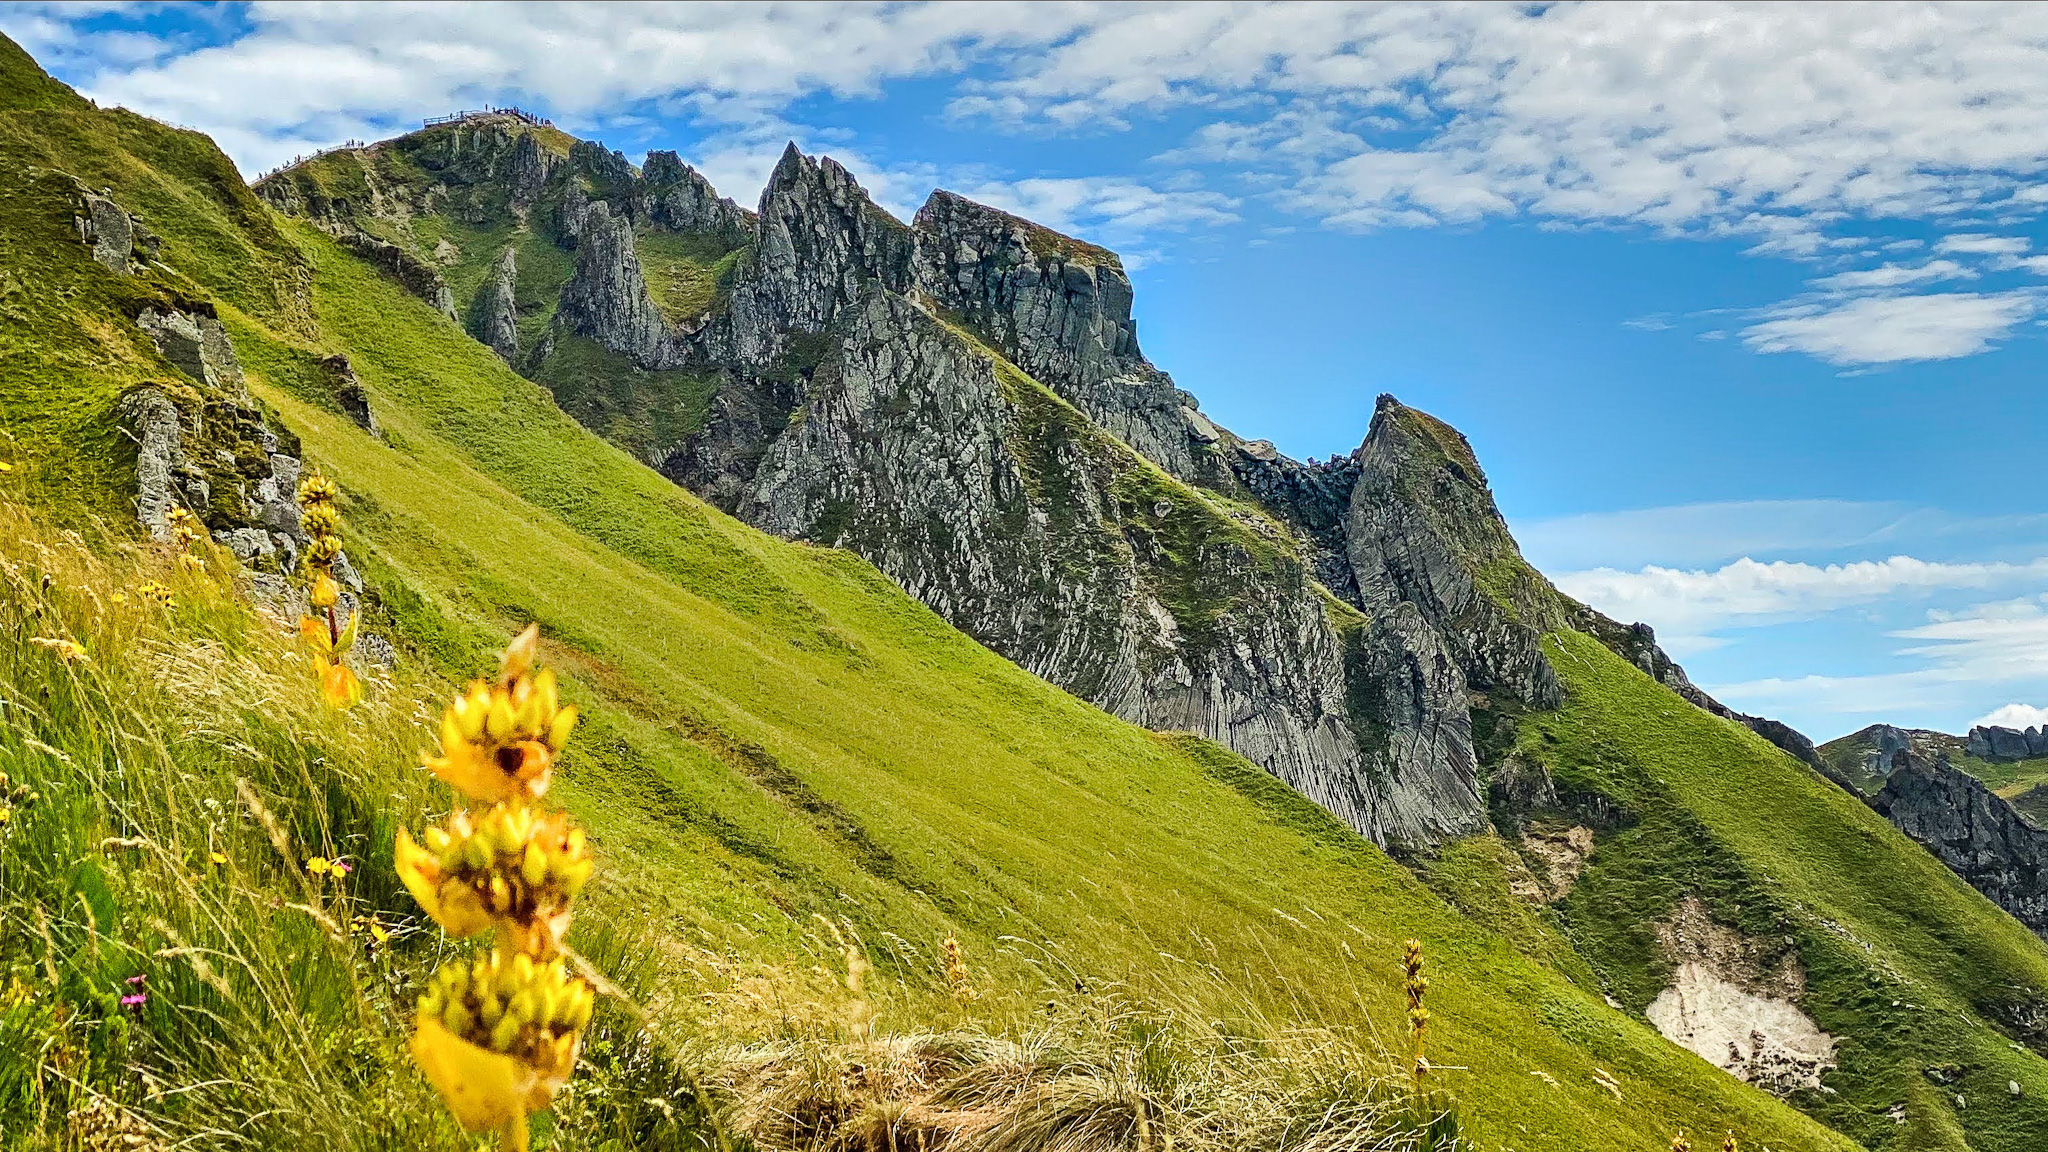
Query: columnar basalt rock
(1061, 310)
(1422, 529)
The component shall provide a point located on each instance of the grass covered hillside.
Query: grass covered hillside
(800, 784)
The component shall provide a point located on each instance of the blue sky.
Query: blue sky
(1743, 307)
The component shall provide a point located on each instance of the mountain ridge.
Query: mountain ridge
(777, 731)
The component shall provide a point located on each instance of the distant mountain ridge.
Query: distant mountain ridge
(963, 401)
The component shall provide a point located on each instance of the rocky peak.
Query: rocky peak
(1972, 830)
(1423, 528)
(678, 196)
(1060, 309)
(607, 298)
(818, 239)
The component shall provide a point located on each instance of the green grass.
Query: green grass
(776, 733)
(1905, 963)
(645, 412)
(687, 274)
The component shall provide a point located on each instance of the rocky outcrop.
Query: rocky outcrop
(532, 166)
(494, 313)
(678, 197)
(1995, 743)
(1973, 831)
(1028, 528)
(1422, 529)
(350, 394)
(116, 236)
(607, 299)
(416, 275)
(819, 240)
(1060, 309)
(204, 446)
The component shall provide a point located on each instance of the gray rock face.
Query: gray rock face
(350, 394)
(494, 314)
(1995, 743)
(117, 237)
(532, 165)
(818, 241)
(677, 196)
(1059, 309)
(1422, 529)
(1973, 831)
(416, 275)
(913, 451)
(210, 452)
(607, 299)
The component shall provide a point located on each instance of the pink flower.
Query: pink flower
(139, 995)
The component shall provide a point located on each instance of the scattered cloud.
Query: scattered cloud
(1893, 276)
(1690, 535)
(1961, 655)
(1115, 208)
(1747, 593)
(2014, 715)
(1891, 329)
(1980, 244)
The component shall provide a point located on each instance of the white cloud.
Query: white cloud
(1716, 532)
(1982, 244)
(1893, 276)
(1889, 329)
(1697, 602)
(1961, 655)
(1116, 207)
(2014, 715)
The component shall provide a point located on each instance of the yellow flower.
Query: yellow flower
(317, 489)
(497, 1037)
(499, 741)
(155, 593)
(318, 865)
(66, 651)
(5, 466)
(512, 864)
(219, 859)
(118, 597)
(339, 685)
(322, 591)
(454, 905)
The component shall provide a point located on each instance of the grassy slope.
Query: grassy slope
(778, 731)
(1901, 955)
(1014, 808)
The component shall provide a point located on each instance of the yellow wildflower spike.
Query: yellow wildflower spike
(323, 592)
(451, 905)
(315, 634)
